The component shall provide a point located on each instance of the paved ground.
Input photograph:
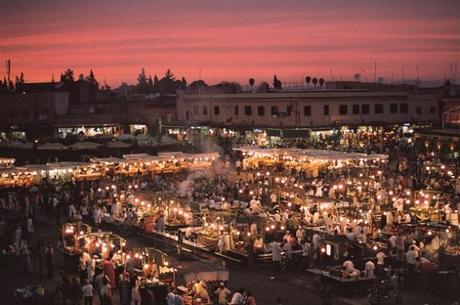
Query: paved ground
(294, 287)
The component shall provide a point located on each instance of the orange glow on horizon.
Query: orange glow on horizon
(231, 40)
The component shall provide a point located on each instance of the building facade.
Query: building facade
(308, 109)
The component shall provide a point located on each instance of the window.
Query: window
(187, 115)
(403, 108)
(195, 110)
(205, 110)
(433, 109)
(216, 110)
(326, 109)
(288, 110)
(307, 110)
(418, 110)
(365, 109)
(355, 108)
(274, 110)
(260, 110)
(393, 108)
(237, 110)
(247, 110)
(343, 109)
(378, 108)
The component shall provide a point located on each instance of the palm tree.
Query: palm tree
(314, 81)
(321, 82)
(308, 80)
(251, 83)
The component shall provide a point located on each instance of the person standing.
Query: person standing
(276, 254)
(125, 288)
(237, 298)
(49, 261)
(87, 292)
(306, 246)
(75, 291)
(135, 293)
(250, 300)
(222, 294)
(106, 293)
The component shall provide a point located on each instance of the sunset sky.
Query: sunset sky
(230, 39)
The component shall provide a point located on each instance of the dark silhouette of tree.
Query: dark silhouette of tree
(67, 76)
(91, 79)
(142, 86)
(263, 87)
(308, 81)
(4, 86)
(169, 75)
(156, 84)
(321, 82)
(20, 79)
(197, 84)
(251, 83)
(314, 81)
(228, 87)
(276, 82)
(184, 83)
(357, 77)
(105, 87)
(150, 84)
(168, 84)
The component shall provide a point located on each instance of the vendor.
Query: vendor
(349, 269)
(369, 269)
(259, 245)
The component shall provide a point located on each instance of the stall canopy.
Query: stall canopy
(118, 144)
(203, 271)
(140, 157)
(52, 146)
(18, 145)
(64, 165)
(126, 137)
(85, 146)
(309, 154)
(107, 160)
(171, 155)
(165, 140)
(6, 162)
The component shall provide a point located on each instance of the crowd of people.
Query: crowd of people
(367, 218)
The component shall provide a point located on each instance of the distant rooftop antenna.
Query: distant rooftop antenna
(417, 82)
(199, 77)
(455, 73)
(375, 72)
(8, 71)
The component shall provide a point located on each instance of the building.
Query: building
(44, 109)
(308, 109)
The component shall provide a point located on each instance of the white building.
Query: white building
(307, 109)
